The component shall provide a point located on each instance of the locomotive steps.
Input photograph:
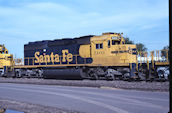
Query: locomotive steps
(112, 85)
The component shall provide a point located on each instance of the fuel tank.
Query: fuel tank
(67, 74)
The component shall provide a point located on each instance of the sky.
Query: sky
(23, 21)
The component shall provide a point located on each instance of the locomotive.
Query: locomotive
(93, 57)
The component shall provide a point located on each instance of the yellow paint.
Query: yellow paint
(36, 56)
(57, 58)
(66, 56)
(5, 58)
(120, 53)
(84, 51)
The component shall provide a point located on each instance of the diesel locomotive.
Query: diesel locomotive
(93, 57)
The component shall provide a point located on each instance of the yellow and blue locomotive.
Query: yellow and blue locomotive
(106, 56)
(94, 57)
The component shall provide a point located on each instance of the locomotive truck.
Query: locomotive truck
(92, 57)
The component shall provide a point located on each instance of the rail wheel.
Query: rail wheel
(110, 78)
(94, 76)
(161, 75)
(18, 74)
(142, 73)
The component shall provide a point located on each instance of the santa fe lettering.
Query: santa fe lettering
(66, 56)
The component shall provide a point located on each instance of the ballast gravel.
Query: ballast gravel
(136, 85)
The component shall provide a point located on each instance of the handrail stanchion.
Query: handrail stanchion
(76, 59)
(147, 61)
(28, 60)
(158, 55)
(22, 61)
(140, 58)
(32, 60)
(137, 64)
(60, 59)
(167, 55)
(152, 59)
(145, 56)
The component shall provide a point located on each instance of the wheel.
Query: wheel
(161, 74)
(18, 74)
(142, 73)
(39, 74)
(110, 78)
(94, 76)
(28, 75)
(126, 76)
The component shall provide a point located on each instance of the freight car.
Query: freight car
(93, 57)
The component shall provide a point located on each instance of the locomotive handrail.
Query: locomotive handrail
(158, 56)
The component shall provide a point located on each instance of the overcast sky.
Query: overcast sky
(23, 21)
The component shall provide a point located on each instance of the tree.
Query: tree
(141, 47)
(128, 41)
(164, 52)
(165, 47)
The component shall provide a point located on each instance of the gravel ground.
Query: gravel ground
(141, 85)
(30, 108)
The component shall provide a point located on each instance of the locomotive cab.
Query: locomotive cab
(109, 49)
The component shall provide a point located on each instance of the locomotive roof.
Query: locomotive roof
(79, 40)
(105, 36)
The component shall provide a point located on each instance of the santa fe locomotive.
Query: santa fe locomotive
(92, 57)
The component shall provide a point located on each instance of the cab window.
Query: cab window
(9, 57)
(99, 46)
(114, 42)
(108, 43)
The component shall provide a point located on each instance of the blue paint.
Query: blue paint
(56, 46)
(13, 111)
